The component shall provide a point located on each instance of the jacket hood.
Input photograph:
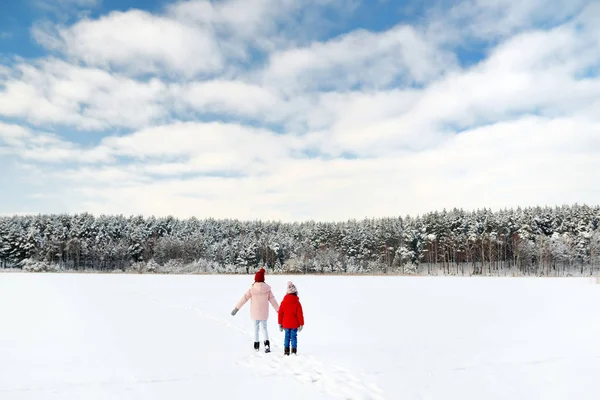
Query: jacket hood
(262, 287)
(291, 297)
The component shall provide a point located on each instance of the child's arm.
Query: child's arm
(244, 299)
(273, 301)
(300, 315)
(280, 315)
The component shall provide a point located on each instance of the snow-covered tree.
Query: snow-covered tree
(541, 241)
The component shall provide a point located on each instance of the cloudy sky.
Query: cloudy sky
(296, 110)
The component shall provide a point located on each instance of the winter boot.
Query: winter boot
(286, 351)
(267, 346)
(294, 350)
(256, 346)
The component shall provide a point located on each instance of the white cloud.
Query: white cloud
(45, 147)
(261, 24)
(564, 49)
(534, 72)
(56, 92)
(137, 42)
(67, 3)
(117, 176)
(190, 39)
(527, 162)
(497, 19)
(82, 3)
(201, 148)
(227, 97)
(65, 9)
(364, 58)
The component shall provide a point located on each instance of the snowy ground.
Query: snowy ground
(172, 337)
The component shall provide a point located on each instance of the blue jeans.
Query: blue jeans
(291, 335)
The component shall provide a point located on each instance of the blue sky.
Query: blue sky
(279, 109)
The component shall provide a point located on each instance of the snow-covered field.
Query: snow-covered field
(148, 337)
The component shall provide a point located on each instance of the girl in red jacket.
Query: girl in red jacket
(291, 318)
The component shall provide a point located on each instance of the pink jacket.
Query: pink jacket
(260, 295)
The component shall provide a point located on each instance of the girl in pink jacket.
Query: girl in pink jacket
(260, 295)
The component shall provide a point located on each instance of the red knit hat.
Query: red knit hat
(260, 275)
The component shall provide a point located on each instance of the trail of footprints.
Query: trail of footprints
(306, 369)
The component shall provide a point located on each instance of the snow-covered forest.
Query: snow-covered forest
(560, 241)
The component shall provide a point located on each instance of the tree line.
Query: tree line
(543, 241)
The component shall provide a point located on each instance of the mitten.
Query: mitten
(235, 310)
(300, 328)
(281, 328)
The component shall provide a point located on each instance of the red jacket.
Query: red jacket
(290, 312)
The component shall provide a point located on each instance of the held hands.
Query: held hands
(235, 310)
(299, 328)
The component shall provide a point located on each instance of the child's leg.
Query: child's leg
(287, 338)
(294, 338)
(265, 330)
(256, 324)
(266, 334)
(286, 342)
(256, 342)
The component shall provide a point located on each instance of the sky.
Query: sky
(297, 110)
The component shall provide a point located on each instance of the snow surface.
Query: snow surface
(92, 336)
